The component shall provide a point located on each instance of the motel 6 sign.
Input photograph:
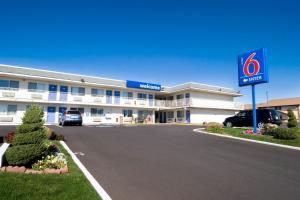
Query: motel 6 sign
(252, 68)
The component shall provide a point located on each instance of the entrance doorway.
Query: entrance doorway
(160, 117)
(51, 115)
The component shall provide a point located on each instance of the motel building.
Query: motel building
(109, 101)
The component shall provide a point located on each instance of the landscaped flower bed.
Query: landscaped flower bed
(32, 149)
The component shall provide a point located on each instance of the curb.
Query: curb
(3, 148)
(200, 130)
(102, 193)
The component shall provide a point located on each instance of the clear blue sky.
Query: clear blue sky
(167, 42)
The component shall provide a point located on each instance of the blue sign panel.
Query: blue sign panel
(252, 68)
(144, 86)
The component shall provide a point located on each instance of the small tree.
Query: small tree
(292, 122)
(32, 120)
(27, 145)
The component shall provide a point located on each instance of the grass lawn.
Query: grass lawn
(238, 132)
(72, 185)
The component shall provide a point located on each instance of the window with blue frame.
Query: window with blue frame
(108, 96)
(96, 112)
(127, 113)
(142, 96)
(36, 87)
(97, 92)
(9, 84)
(117, 97)
(150, 96)
(63, 89)
(78, 91)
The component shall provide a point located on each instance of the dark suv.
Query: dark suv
(245, 118)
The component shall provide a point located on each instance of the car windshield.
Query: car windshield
(74, 112)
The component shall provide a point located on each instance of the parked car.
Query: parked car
(70, 117)
(245, 118)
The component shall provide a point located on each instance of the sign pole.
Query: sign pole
(254, 108)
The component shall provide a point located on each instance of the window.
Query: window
(180, 114)
(180, 96)
(8, 109)
(127, 113)
(97, 92)
(170, 114)
(9, 84)
(36, 87)
(127, 95)
(81, 110)
(96, 112)
(241, 114)
(78, 91)
(142, 96)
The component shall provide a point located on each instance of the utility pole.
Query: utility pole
(267, 96)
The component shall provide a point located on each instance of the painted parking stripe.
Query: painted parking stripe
(200, 130)
(99, 189)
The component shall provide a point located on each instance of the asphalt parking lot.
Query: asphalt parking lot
(173, 162)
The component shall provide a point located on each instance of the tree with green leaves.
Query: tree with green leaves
(27, 145)
(292, 121)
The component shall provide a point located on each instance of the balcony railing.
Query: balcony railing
(190, 102)
(120, 101)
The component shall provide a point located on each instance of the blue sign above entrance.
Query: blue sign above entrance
(252, 68)
(144, 86)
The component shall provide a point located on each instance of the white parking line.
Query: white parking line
(102, 193)
(200, 130)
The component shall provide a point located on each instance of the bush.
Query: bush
(34, 114)
(292, 121)
(285, 133)
(214, 125)
(50, 134)
(35, 137)
(26, 128)
(59, 137)
(9, 137)
(24, 155)
(269, 129)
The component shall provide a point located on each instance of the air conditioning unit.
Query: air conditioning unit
(77, 99)
(98, 100)
(6, 119)
(36, 96)
(97, 119)
(8, 94)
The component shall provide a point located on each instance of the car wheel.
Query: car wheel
(260, 125)
(228, 124)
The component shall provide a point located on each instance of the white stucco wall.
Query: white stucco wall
(199, 115)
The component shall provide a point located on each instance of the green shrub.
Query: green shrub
(285, 133)
(59, 137)
(34, 114)
(292, 121)
(214, 125)
(24, 155)
(26, 128)
(35, 137)
(50, 134)
(269, 129)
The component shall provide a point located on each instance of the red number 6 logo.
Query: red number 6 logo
(255, 63)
